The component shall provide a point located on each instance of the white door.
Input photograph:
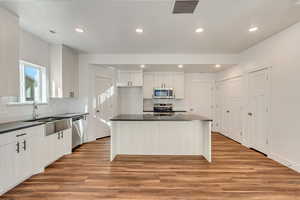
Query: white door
(199, 98)
(257, 110)
(104, 92)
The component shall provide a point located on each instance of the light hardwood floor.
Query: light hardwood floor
(236, 173)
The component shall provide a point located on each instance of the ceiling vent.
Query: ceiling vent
(185, 6)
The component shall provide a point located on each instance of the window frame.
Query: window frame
(43, 98)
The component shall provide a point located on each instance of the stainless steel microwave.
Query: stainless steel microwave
(163, 93)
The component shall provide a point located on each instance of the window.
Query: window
(32, 83)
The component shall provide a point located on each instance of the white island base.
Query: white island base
(161, 138)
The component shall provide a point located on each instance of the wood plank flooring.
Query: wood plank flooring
(235, 173)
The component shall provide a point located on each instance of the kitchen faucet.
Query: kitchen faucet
(34, 111)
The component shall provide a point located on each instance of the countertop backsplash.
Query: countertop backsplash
(21, 112)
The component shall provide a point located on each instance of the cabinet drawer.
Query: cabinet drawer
(36, 131)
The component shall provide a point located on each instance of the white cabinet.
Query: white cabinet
(64, 72)
(58, 144)
(178, 84)
(23, 158)
(149, 85)
(7, 164)
(164, 80)
(173, 80)
(9, 54)
(21, 154)
(130, 79)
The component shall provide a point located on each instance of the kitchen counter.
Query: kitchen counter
(14, 126)
(18, 125)
(159, 117)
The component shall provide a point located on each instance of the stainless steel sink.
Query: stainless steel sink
(54, 125)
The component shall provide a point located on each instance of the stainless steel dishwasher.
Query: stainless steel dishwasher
(77, 131)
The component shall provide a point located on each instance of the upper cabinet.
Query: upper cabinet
(9, 54)
(173, 80)
(130, 79)
(64, 72)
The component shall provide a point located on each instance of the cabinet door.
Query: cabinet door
(23, 165)
(136, 78)
(159, 80)
(7, 164)
(124, 78)
(149, 85)
(178, 85)
(67, 141)
(9, 54)
(163, 80)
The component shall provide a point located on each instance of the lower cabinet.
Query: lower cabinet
(26, 152)
(58, 144)
(7, 167)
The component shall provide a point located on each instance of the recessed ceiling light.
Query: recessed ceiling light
(199, 30)
(180, 66)
(139, 30)
(142, 66)
(253, 29)
(218, 65)
(79, 30)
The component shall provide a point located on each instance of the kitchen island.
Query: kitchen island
(161, 134)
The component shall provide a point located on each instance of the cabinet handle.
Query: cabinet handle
(250, 114)
(228, 111)
(62, 134)
(18, 147)
(21, 135)
(58, 136)
(24, 145)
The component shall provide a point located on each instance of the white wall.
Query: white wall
(35, 50)
(282, 53)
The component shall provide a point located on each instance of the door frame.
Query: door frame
(95, 72)
(268, 106)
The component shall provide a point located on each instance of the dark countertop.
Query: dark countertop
(153, 117)
(14, 126)
(18, 125)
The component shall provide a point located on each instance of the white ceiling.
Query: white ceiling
(110, 24)
(199, 68)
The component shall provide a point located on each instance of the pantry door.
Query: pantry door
(258, 110)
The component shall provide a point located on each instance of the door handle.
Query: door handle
(250, 114)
